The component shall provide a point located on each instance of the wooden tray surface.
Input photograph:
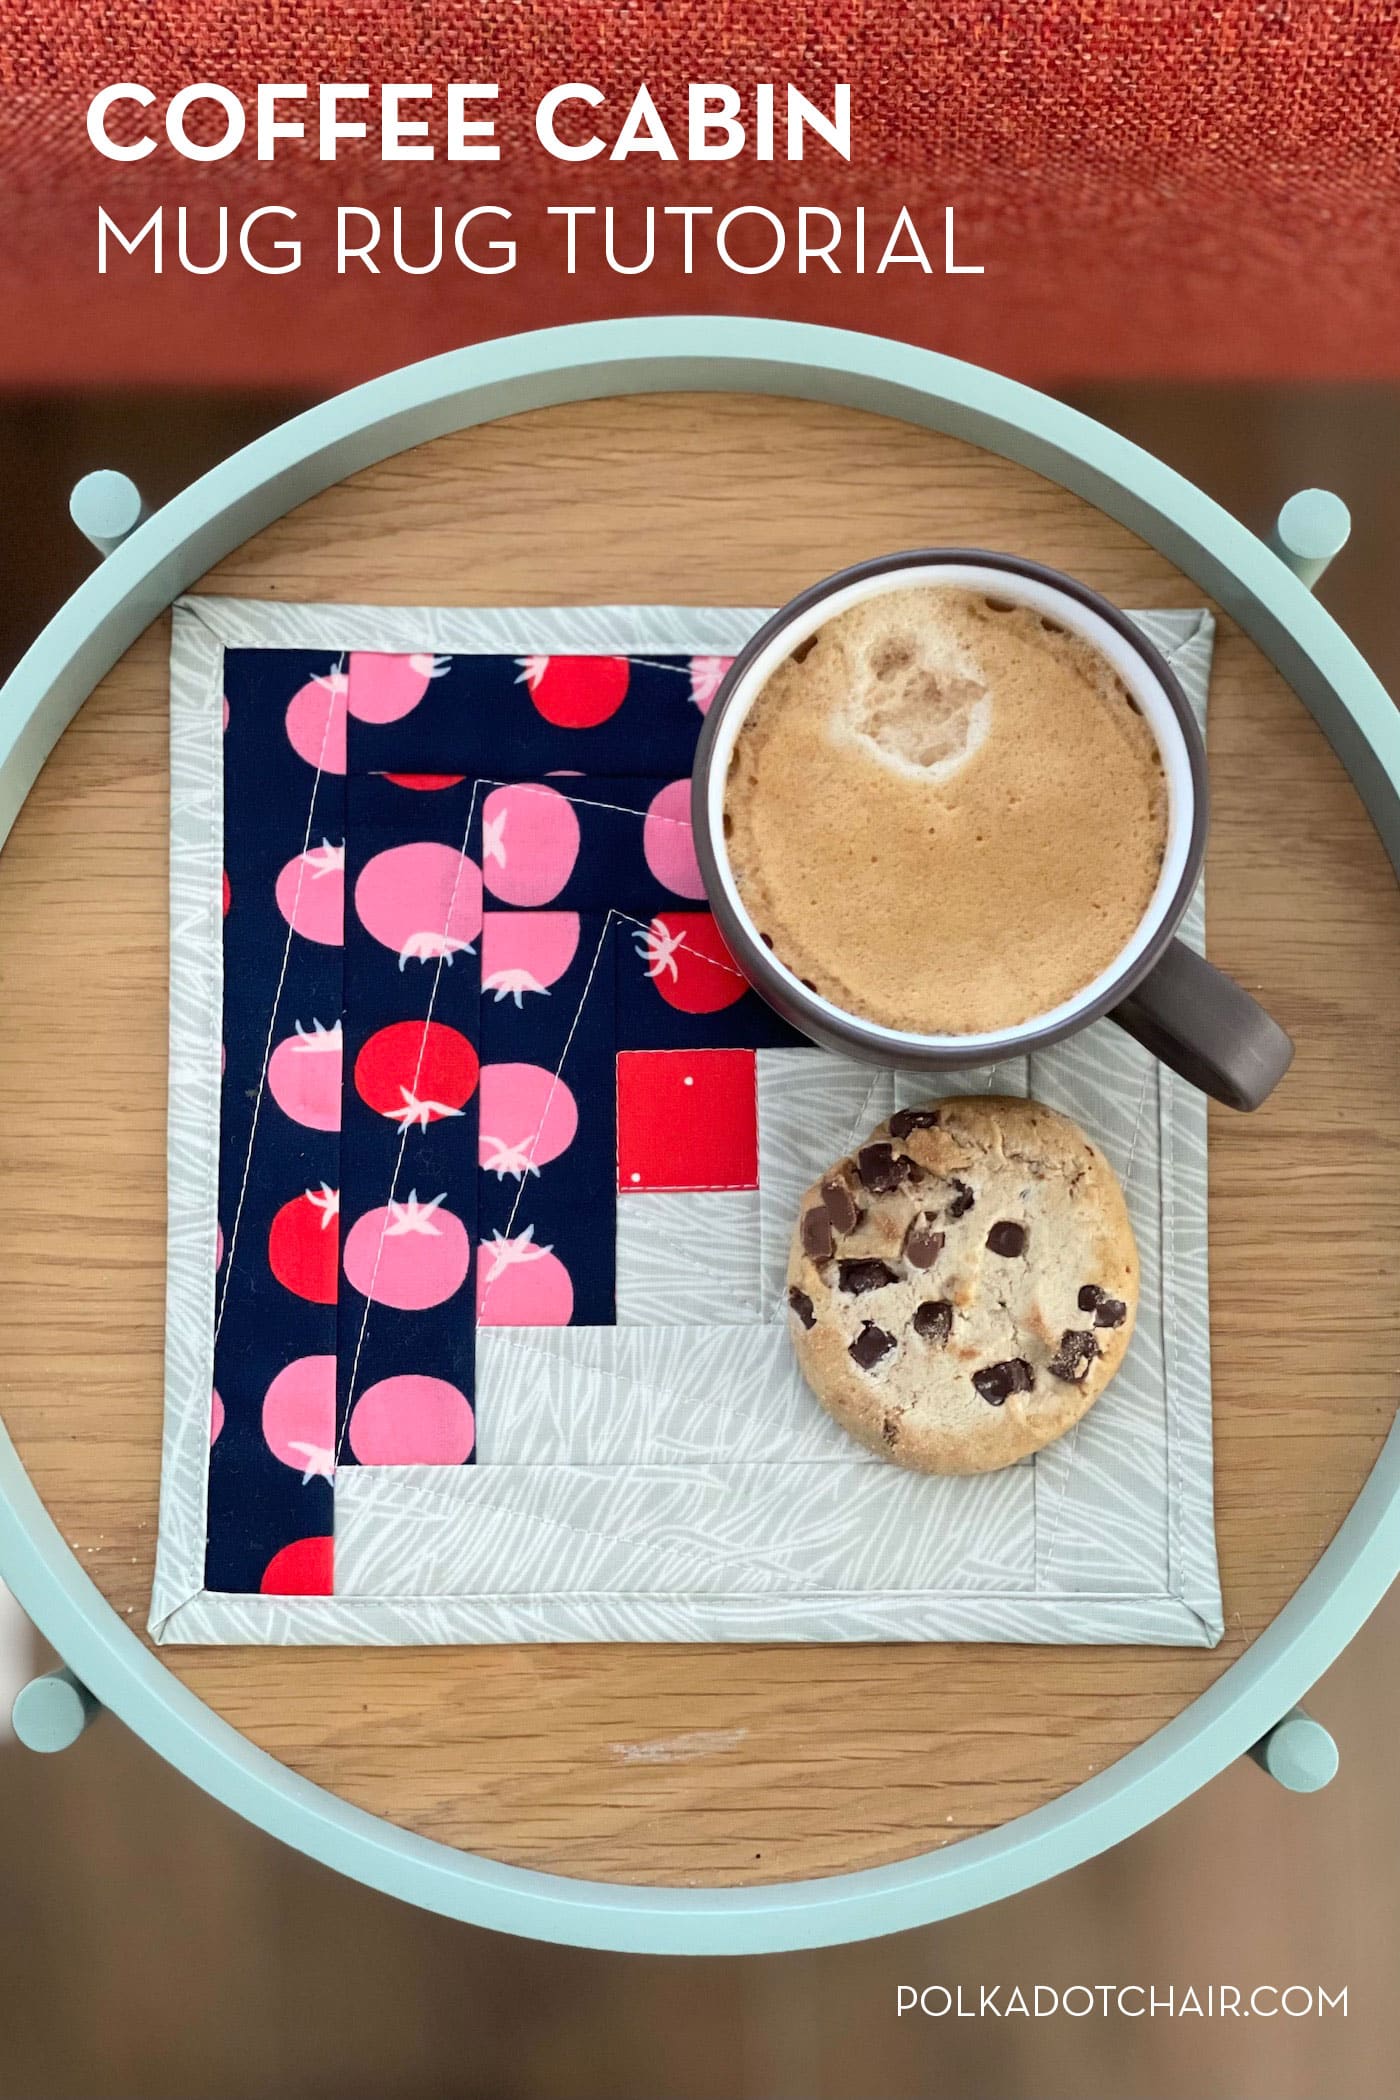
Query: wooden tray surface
(700, 1765)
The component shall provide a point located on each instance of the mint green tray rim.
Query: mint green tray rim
(167, 554)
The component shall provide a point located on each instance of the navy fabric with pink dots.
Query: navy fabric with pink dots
(464, 936)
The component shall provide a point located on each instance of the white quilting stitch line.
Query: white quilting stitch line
(272, 1017)
(730, 969)
(403, 1137)
(478, 784)
(1176, 1580)
(209, 816)
(643, 816)
(862, 1112)
(625, 1537)
(716, 1401)
(691, 1188)
(619, 809)
(1147, 1079)
(1073, 1444)
(852, 1132)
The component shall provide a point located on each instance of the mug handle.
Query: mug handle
(1207, 1028)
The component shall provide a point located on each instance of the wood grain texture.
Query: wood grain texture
(762, 1763)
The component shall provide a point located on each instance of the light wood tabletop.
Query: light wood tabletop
(701, 1765)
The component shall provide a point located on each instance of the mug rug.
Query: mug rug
(483, 1159)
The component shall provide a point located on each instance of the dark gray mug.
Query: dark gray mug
(1188, 1013)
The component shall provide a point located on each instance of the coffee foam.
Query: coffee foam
(944, 813)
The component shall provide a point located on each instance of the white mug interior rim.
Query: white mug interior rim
(1137, 675)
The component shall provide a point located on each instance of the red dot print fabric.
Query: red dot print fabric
(472, 990)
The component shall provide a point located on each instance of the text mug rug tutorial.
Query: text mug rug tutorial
(470, 126)
(485, 1164)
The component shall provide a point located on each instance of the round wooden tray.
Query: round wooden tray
(702, 1768)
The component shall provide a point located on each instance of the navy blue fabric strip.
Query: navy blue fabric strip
(465, 1037)
(483, 715)
(409, 1144)
(549, 1139)
(259, 1503)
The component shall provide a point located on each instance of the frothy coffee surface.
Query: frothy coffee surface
(945, 813)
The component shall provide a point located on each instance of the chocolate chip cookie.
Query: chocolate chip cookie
(962, 1287)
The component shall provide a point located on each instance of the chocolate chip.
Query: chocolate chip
(881, 1168)
(1076, 1352)
(841, 1206)
(963, 1200)
(858, 1277)
(905, 1120)
(802, 1306)
(995, 1381)
(933, 1321)
(804, 649)
(817, 1238)
(1007, 1237)
(922, 1245)
(889, 1430)
(1108, 1312)
(870, 1347)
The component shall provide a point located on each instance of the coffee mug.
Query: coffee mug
(1169, 998)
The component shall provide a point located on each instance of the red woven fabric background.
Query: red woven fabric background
(1155, 187)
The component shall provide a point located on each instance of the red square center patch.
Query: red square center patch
(686, 1119)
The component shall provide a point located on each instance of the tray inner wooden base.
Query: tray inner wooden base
(701, 1766)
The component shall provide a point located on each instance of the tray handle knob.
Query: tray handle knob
(51, 1712)
(1310, 530)
(106, 508)
(1298, 1752)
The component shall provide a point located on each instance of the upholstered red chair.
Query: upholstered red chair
(1182, 189)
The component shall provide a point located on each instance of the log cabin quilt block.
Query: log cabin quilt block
(483, 1164)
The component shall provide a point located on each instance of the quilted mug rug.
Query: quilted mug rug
(483, 1159)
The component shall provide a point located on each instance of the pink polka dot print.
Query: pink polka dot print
(311, 894)
(316, 722)
(303, 1076)
(707, 674)
(526, 951)
(412, 1420)
(386, 688)
(521, 1285)
(668, 842)
(298, 1416)
(423, 901)
(529, 843)
(409, 1255)
(528, 1117)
